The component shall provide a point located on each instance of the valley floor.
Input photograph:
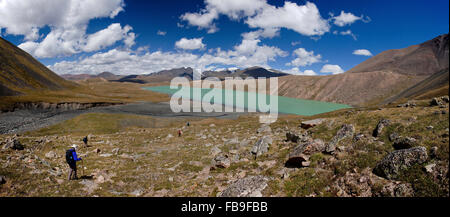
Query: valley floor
(139, 155)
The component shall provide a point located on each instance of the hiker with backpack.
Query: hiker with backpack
(71, 159)
(85, 140)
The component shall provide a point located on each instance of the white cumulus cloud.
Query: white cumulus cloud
(333, 69)
(190, 44)
(363, 52)
(304, 58)
(67, 20)
(304, 19)
(250, 52)
(346, 19)
(297, 71)
(109, 36)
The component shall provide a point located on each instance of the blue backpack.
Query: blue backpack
(69, 157)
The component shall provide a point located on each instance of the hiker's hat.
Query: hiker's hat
(74, 146)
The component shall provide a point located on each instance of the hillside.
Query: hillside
(349, 88)
(389, 76)
(424, 59)
(20, 72)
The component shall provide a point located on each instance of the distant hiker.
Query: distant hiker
(180, 133)
(188, 124)
(85, 140)
(71, 159)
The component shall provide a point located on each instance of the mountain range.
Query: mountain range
(390, 76)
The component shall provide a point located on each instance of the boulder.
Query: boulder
(215, 151)
(346, 131)
(2, 180)
(292, 137)
(296, 138)
(359, 137)
(437, 102)
(51, 155)
(264, 129)
(393, 137)
(406, 105)
(311, 123)
(434, 152)
(221, 161)
(115, 151)
(247, 187)
(393, 163)
(232, 141)
(262, 146)
(381, 124)
(13, 144)
(366, 184)
(404, 143)
(429, 168)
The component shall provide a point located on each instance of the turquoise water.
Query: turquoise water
(286, 105)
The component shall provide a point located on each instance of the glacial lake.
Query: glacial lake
(286, 105)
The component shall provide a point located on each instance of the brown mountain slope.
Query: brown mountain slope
(20, 72)
(436, 83)
(389, 76)
(355, 89)
(424, 59)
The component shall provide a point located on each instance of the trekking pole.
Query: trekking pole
(82, 165)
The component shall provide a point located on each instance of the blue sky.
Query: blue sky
(79, 36)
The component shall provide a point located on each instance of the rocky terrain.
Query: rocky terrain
(395, 151)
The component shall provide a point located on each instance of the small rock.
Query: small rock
(436, 102)
(292, 137)
(105, 155)
(346, 131)
(306, 163)
(137, 193)
(429, 168)
(231, 141)
(100, 179)
(393, 137)
(312, 123)
(196, 163)
(115, 151)
(359, 137)
(404, 143)
(262, 146)
(97, 150)
(51, 155)
(2, 180)
(433, 152)
(264, 129)
(430, 127)
(215, 151)
(222, 161)
(381, 124)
